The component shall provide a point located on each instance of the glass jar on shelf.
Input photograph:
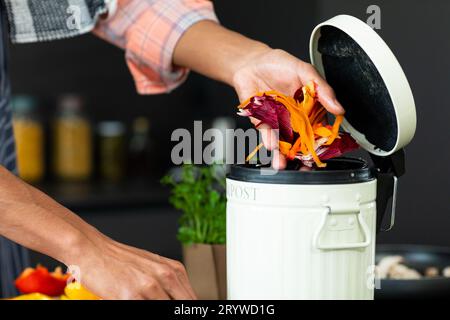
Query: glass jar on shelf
(139, 163)
(72, 140)
(29, 136)
(111, 150)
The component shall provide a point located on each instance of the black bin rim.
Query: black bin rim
(342, 170)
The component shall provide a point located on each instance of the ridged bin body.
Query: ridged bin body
(300, 241)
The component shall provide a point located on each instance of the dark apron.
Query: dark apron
(13, 258)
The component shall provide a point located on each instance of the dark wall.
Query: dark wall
(417, 32)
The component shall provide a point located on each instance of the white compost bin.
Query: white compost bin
(311, 234)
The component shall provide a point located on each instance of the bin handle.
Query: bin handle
(354, 245)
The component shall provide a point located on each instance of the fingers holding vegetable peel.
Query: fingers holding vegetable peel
(279, 161)
(304, 131)
(325, 94)
(268, 135)
(270, 140)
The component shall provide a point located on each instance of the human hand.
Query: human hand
(272, 69)
(112, 270)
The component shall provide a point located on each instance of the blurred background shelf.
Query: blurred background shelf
(81, 196)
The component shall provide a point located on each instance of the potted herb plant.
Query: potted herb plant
(199, 192)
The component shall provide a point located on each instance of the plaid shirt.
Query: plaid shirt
(46, 20)
(148, 31)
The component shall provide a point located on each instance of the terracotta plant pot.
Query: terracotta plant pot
(206, 267)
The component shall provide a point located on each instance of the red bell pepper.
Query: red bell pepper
(40, 280)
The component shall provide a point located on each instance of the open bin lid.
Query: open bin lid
(368, 81)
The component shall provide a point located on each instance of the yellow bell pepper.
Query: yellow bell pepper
(75, 291)
(32, 296)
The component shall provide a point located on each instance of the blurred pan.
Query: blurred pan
(417, 257)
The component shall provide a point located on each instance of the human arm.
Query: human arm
(109, 269)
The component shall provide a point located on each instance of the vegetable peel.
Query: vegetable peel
(305, 133)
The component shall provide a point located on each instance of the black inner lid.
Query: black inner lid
(359, 87)
(338, 171)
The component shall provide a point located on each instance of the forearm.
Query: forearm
(29, 217)
(215, 51)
